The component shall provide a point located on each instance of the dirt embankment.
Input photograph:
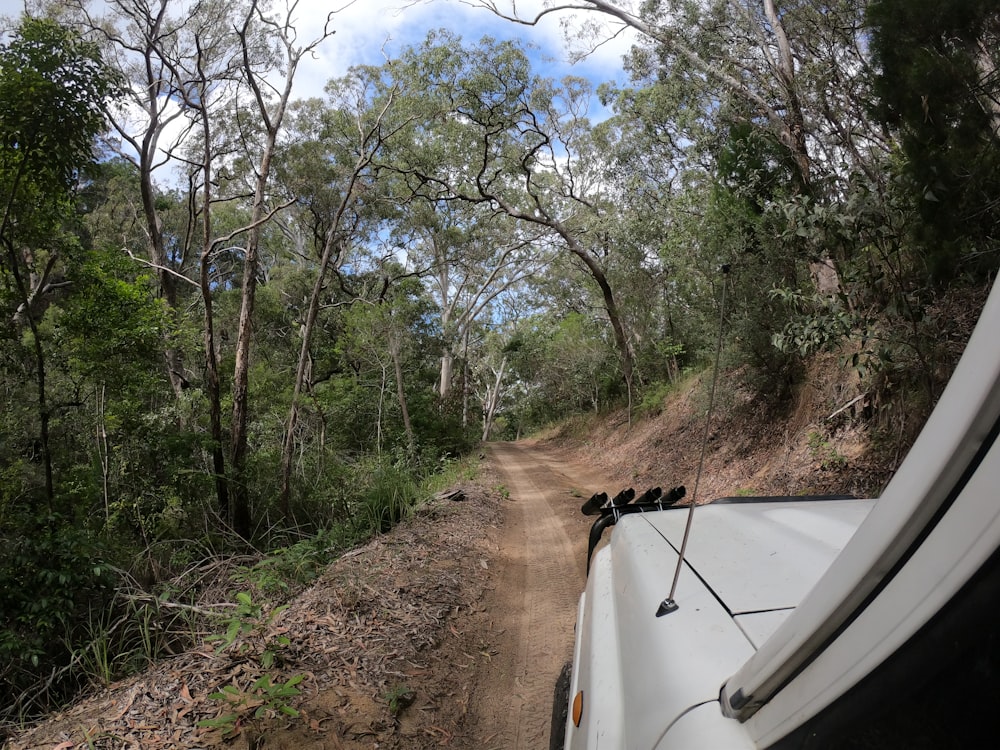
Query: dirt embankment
(812, 444)
(450, 630)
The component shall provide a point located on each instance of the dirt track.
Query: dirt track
(469, 605)
(541, 572)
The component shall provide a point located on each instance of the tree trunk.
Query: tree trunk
(611, 307)
(208, 340)
(411, 440)
(288, 447)
(42, 400)
(26, 296)
(465, 380)
(212, 370)
(331, 241)
(272, 121)
(158, 256)
(447, 366)
(493, 400)
(240, 495)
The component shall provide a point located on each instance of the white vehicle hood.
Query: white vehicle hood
(748, 564)
(760, 557)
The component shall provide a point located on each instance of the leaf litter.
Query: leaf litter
(403, 614)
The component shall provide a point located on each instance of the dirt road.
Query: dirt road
(541, 572)
(467, 607)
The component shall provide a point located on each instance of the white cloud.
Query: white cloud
(367, 30)
(364, 28)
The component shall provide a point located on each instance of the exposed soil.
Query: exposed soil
(450, 630)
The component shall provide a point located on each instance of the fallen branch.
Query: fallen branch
(847, 406)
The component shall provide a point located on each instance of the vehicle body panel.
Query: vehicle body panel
(762, 556)
(948, 453)
(705, 728)
(628, 580)
(954, 550)
(700, 645)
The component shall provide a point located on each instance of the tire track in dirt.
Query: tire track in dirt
(541, 564)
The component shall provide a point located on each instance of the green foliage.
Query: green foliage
(821, 450)
(247, 632)
(937, 87)
(284, 569)
(565, 364)
(654, 396)
(821, 323)
(399, 698)
(110, 321)
(131, 633)
(264, 699)
(388, 496)
(449, 472)
(247, 636)
(53, 88)
(53, 583)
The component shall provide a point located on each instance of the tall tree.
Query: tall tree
(742, 49)
(53, 91)
(153, 49)
(473, 256)
(518, 144)
(257, 27)
(347, 141)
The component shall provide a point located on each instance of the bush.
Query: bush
(52, 578)
(390, 493)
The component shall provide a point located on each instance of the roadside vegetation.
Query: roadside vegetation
(219, 373)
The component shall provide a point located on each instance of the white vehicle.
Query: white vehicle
(808, 623)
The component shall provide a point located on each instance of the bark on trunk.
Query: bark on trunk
(212, 364)
(447, 369)
(411, 440)
(493, 400)
(272, 120)
(204, 278)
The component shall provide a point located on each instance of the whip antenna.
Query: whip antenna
(669, 605)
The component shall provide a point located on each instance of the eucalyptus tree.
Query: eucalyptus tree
(741, 50)
(219, 74)
(339, 181)
(179, 64)
(520, 145)
(473, 256)
(153, 49)
(494, 386)
(795, 70)
(266, 44)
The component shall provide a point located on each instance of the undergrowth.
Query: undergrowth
(130, 620)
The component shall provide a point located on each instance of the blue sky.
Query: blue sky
(366, 27)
